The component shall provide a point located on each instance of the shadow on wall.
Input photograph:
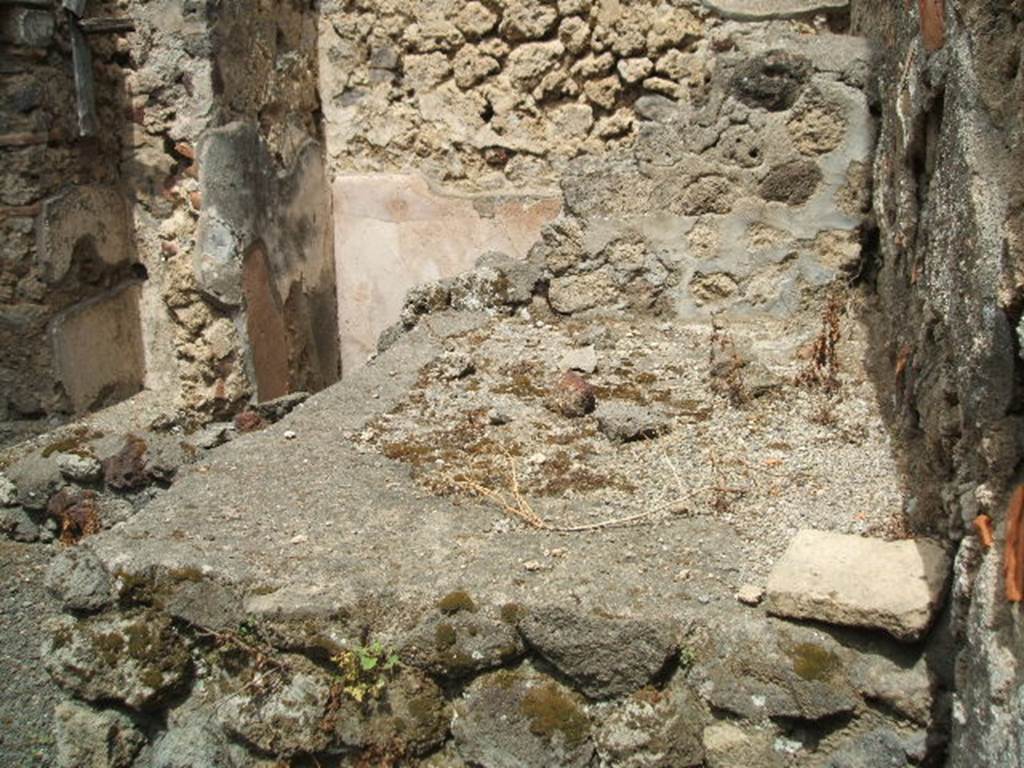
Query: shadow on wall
(264, 252)
(948, 309)
(292, 343)
(87, 253)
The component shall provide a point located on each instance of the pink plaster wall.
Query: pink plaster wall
(392, 232)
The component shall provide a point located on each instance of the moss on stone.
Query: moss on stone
(109, 645)
(187, 574)
(552, 711)
(75, 442)
(504, 679)
(153, 678)
(444, 636)
(812, 662)
(455, 602)
(141, 640)
(61, 638)
(512, 613)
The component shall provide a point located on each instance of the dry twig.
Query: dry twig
(520, 508)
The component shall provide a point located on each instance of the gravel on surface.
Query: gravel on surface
(791, 457)
(27, 695)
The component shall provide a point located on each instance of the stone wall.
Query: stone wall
(496, 96)
(744, 198)
(949, 199)
(704, 164)
(224, 104)
(180, 87)
(664, 155)
(64, 226)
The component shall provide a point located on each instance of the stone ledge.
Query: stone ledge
(897, 586)
(763, 10)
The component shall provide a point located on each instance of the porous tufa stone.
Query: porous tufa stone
(896, 586)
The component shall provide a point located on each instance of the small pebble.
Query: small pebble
(749, 594)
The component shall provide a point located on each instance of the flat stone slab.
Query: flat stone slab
(897, 586)
(757, 10)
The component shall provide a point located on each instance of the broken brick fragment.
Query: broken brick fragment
(127, 470)
(933, 23)
(1013, 566)
(249, 421)
(77, 513)
(573, 396)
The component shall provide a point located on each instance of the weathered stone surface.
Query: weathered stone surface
(27, 26)
(527, 19)
(625, 422)
(287, 720)
(276, 409)
(18, 525)
(8, 492)
(582, 359)
(79, 468)
(137, 660)
(475, 20)
(817, 125)
(410, 718)
(90, 738)
(793, 183)
(36, 478)
(772, 81)
(729, 746)
(572, 396)
(875, 749)
(653, 729)
(520, 276)
(127, 469)
(756, 10)
(197, 742)
(522, 719)
(203, 603)
(909, 689)
(604, 656)
(77, 513)
(528, 63)
(673, 28)
(576, 293)
(461, 645)
(451, 366)
(896, 586)
(79, 581)
(498, 282)
(752, 669)
(213, 435)
(750, 594)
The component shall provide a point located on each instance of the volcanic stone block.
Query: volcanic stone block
(793, 183)
(604, 657)
(522, 719)
(897, 586)
(772, 81)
